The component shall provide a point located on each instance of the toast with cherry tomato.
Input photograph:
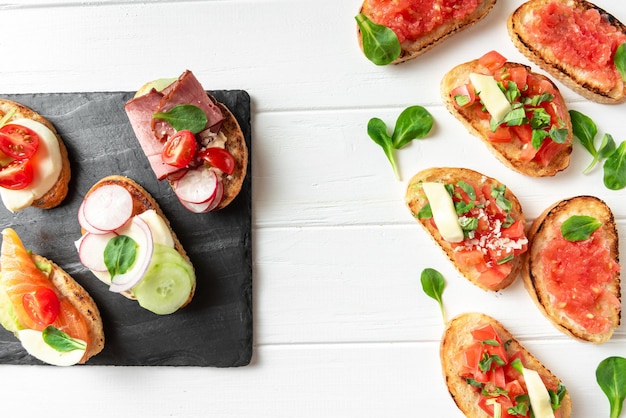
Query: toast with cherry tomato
(475, 219)
(128, 243)
(191, 140)
(518, 114)
(34, 164)
(489, 373)
(572, 270)
(576, 42)
(52, 315)
(421, 25)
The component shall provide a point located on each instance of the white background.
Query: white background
(341, 326)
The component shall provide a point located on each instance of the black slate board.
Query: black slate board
(215, 329)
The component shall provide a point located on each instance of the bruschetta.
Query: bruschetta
(34, 164)
(490, 374)
(191, 140)
(576, 42)
(53, 316)
(518, 114)
(128, 243)
(572, 268)
(420, 25)
(476, 220)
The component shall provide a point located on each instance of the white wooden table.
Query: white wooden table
(341, 328)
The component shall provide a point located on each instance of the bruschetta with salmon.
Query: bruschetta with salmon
(475, 219)
(518, 114)
(53, 316)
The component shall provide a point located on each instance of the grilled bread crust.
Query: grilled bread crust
(412, 49)
(507, 152)
(416, 200)
(577, 79)
(540, 235)
(457, 336)
(58, 191)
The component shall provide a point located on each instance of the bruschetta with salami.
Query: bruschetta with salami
(191, 140)
(577, 43)
(489, 373)
(53, 316)
(518, 114)
(572, 269)
(476, 220)
(127, 243)
(34, 164)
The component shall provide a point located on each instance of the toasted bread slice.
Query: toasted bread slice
(600, 253)
(457, 337)
(510, 153)
(54, 195)
(488, 274)
(426, 41)
(142, 202)
(585, 81)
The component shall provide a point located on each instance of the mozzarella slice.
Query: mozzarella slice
(490, 94)
(444, 213)
(538, 394)
(33, 343)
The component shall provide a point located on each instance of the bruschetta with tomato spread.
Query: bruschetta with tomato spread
(421, 25)
(53, 316)
(519, 115)
(476, 220)
(490, 374)
(191, 140)
(576, 42)
(572, 270)
(34, 165)
(127, 243)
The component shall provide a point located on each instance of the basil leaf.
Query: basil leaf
(468, 189)
(433, 284)
(414, 122)
(620, 60)
(537, 138)
(607, 146)
(60, 341)
(516, 116)
(611, 377)
(540, 119)
(615, 169)
(558, 135)
(119, 254)
(184, 117)
(585, 130)
(380, 44)
(377, 130)
(579, 227)
(497, 192)
(425, 213)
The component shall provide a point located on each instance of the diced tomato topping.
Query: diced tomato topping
(463, 96)
(548, 150)
(491, 277)
(519, 76)
(528, 152)
(471, 258)
(514, 231)
(485, 332)
(523, 132)
(492, 61)
(501, 134)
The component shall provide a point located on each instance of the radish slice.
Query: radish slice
(108, 207)
(197, 186)
(140, 231)
(91, 250)
(83, 222)
(209, 205)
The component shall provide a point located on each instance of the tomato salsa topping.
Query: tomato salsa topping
(495, 372)
(581, 38)
(576, 275)
(535, 122)
(410, 19)
(492, 238)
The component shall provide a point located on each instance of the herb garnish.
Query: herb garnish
(119, 254)
(579, 227)
(620, 60)
(380, 44)
(414, 122)
(611, 377)
(184, 117)
(60, 341)
(433, 284)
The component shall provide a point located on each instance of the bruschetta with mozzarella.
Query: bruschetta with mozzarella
(476, 220)
(34, 164)
(518, 114)
(53, 316)
(127, 243)
(572, 269)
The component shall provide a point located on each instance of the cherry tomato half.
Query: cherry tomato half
(219, 158)
(17, 175)
(179, 149)
(18, 141)
(42, 306)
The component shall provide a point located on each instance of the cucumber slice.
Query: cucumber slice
(163, 254)
(164, 288)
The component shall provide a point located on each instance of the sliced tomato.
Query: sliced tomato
(18, 142)
(501, 134)
(219, 158)
(492, 61)
(179, 149)
(17, 175)
(42, 306)
(463, 96)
